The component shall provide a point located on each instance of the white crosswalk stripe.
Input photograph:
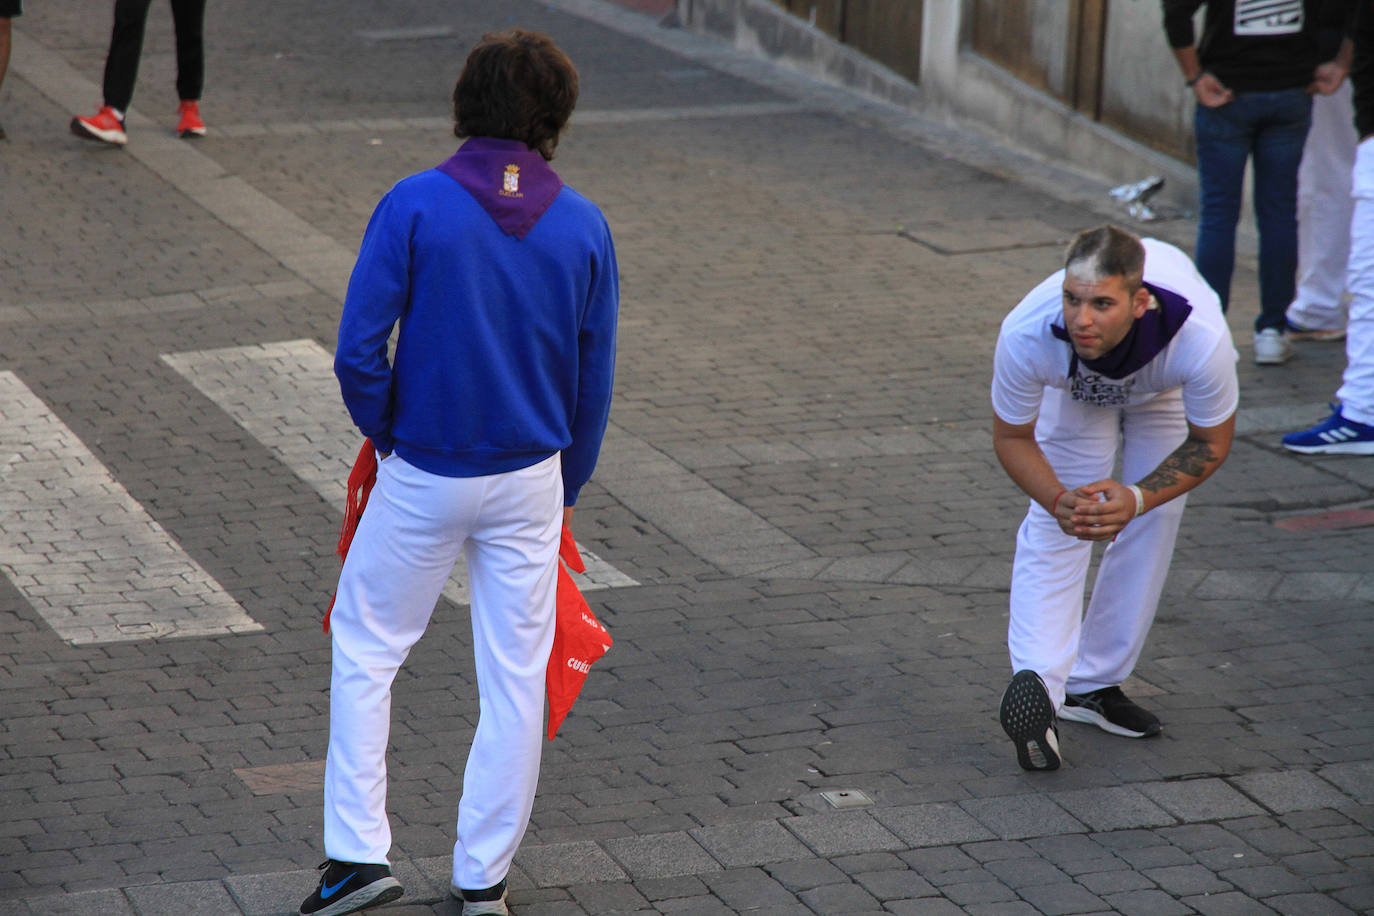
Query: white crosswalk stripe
(81, 549)
(284, 394)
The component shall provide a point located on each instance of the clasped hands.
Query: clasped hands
(1095, 511)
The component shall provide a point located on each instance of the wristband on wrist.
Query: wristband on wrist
(1191, 82)
(1139, 500)
(1054, 506)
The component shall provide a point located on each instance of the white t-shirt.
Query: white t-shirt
(1201, 359)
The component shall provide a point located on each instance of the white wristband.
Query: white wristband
(1139, 500)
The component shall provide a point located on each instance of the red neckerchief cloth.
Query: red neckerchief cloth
(360, 482)
(579, 639)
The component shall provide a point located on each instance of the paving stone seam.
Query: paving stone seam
(581, 118)
(50, 311)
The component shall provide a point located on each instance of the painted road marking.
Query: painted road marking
(1335, 520)
(284, 394)
(82, 551)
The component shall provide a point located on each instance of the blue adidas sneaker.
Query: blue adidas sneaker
(1333, 436)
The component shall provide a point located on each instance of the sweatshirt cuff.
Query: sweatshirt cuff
(384, 444)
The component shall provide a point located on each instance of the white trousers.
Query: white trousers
(415, 525)
(1049, 632)
(1357, 384)
(1324, 209)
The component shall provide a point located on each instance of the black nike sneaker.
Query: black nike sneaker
(346, 887)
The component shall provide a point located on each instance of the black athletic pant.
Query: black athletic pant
(126, 46)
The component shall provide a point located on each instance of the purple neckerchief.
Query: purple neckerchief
(1149, 335)
(512, 182)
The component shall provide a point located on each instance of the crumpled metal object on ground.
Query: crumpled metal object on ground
(1136, 196)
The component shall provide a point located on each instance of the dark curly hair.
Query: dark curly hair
(516, 85)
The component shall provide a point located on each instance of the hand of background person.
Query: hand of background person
(1211, 92)
(1098, 511)
(567, 516)
(1327, 78)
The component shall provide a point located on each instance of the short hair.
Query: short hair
(516, 85)
(1109, 252)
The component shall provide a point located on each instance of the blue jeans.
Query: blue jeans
(1270, 127)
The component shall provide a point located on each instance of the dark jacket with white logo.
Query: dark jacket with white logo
(1257, 45)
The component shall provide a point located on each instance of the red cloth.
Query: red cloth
(360, 482)
(579, 639)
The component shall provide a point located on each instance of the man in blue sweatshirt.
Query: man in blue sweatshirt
(487, 422)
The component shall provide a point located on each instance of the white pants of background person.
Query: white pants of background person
(1324, 211)
(1356, 393)
(1049, 633)
(414, 527)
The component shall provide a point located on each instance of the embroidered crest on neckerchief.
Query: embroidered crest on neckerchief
(513, 183)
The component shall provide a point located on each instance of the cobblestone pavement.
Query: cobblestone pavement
(806, 539)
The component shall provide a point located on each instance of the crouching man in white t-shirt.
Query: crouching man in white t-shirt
(1125, 350)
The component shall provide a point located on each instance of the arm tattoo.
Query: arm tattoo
(1191, 459)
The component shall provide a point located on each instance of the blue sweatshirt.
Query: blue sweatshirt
(506, 347)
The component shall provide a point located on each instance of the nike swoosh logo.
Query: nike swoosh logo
(326, 891)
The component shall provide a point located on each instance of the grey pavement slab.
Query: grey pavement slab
(565, 864)
(798, 490)
(1113, 808)
(667, 855)
(749, 843)
(1022, 816)
(1293, 790)
(843, 833)
(934, 825)
(1200, 799)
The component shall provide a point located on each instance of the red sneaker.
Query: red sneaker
(190, 124)
(102, 126)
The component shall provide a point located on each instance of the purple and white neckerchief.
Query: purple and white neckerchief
(1149, 334)
(512, 182)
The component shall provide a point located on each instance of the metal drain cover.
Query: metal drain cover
(846, 798)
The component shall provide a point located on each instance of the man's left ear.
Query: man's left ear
(1140, 302)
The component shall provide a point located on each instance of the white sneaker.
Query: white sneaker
(1272, 347)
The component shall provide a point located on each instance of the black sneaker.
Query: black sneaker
(346, 887)
(1027, 716)
(1112, 711)
(488, 902)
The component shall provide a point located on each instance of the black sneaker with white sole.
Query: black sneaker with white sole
(1112, 711)
(347, 887)
(490, 901)
(1027, 716)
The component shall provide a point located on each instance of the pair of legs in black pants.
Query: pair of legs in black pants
(126, 46)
